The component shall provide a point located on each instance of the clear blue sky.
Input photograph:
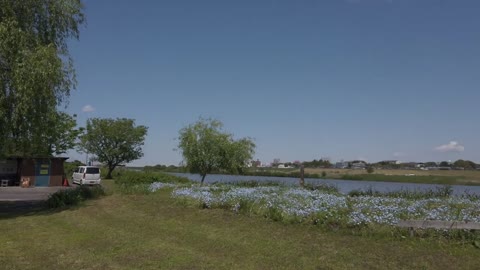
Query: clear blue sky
(344, 79)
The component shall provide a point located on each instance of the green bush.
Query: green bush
(91, 192)
(73, 196)
(439, 192)
(327, 188)
(140, 177)
(254, 183)
(69, 167)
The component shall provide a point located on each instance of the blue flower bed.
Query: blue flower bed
(317, 206)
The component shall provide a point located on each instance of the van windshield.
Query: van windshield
(93, 170)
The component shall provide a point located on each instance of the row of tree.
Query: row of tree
(459, 164)
(325, 163)
(321, 163)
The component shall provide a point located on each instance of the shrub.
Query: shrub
(73, 196)
(327, 188)
(324, 174)
(367, 192)
(138, 182)
(136, 178)
(355, 193)
(253, 183)
(439, 192)
(91, 192)
(370, 169)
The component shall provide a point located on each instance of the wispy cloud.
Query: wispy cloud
(88, 108)
(452, 146)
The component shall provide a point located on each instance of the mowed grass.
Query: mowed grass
(155, 232)
(444, 177)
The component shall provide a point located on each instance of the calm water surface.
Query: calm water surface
(344, 186)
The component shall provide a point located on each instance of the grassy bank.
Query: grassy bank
(154, 231)
(402, 176)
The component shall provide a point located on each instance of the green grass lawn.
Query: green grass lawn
(452, 177)
(155, 232)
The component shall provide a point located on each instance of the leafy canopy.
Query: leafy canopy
(113, 141)
(36, 72)
(206, 148)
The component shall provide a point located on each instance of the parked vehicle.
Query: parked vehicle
(86, 175)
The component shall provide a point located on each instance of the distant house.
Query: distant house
(341, 165)
(420, 165)
(390, 162)
(255, 163)
(282, 166)
(358, 165)
(40, 171)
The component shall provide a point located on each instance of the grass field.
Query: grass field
(468, 174)
(468, 177)
(155, 232)
(443, 177)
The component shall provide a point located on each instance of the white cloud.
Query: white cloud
(452, 146)
(88, 108)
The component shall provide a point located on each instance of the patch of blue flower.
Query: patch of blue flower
(314, 205)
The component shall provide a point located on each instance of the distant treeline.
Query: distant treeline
(321, 163)
(325, 163)
(293, 174)
(164, 168)
(459, 164)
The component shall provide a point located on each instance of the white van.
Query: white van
(86, 175)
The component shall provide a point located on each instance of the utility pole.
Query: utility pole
(302, 176)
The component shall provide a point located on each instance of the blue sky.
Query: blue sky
(344, 79)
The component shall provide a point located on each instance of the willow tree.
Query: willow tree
(207, 148)
(36, 73)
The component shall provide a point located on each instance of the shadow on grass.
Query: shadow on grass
(16, 209)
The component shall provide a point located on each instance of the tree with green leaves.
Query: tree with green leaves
(65, 134)
(207, 148)
(61, 137)
(36, 72)
(113, 142)
(466, 164)
(69, 167)
(444, 164)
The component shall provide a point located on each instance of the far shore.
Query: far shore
(447, 177)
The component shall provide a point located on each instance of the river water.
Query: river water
(344, 186)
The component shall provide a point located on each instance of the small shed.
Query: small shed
(41, 171)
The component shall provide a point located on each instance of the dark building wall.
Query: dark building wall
(26, 168)
(56, 172)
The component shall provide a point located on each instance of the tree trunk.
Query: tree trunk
(109, 174)
(302, 176)
(203, 178)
